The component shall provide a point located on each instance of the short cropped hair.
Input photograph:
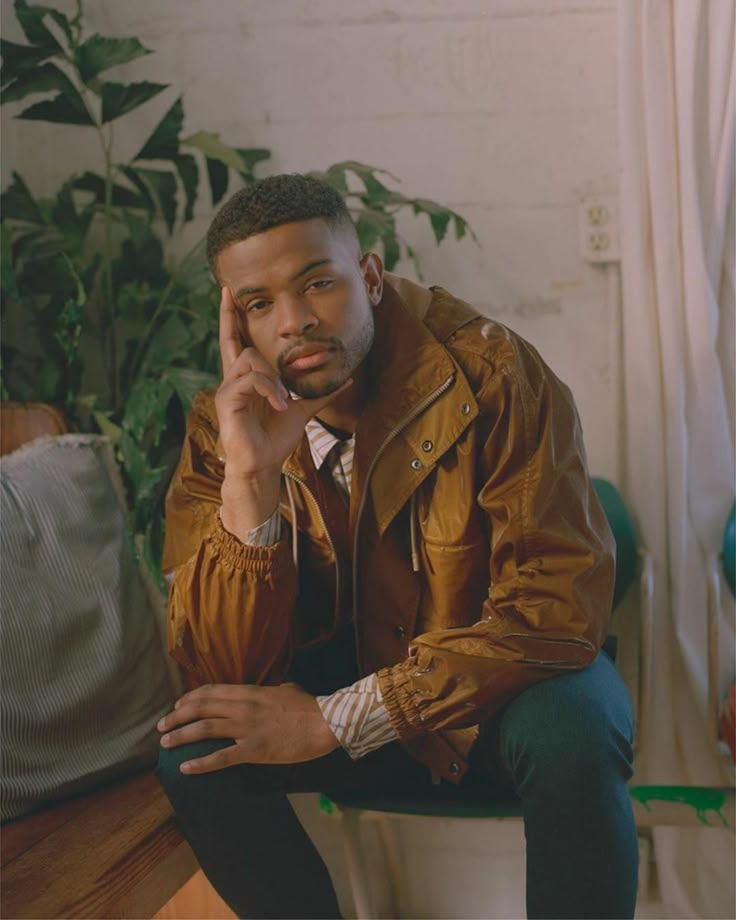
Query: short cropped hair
(272, 202)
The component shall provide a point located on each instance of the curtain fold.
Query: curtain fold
(677, 112)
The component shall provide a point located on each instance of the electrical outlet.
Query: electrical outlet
(598, 228)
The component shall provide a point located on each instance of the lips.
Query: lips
(308, 357)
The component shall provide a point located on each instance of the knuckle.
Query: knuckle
(197, 710)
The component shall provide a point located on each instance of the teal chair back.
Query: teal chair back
(623, 533)
(729, 550)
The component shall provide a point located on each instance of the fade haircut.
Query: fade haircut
(272, 202)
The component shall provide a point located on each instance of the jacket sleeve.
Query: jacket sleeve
(551, 560)
(230, 606)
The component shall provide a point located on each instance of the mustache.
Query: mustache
(329, 342)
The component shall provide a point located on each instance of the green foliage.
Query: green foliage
(374, 206)
(99, 317)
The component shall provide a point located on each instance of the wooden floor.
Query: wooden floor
(197, 900)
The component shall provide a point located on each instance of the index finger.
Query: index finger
(230, 343)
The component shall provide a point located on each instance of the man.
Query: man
(390, 567)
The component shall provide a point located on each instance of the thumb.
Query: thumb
(310, 407)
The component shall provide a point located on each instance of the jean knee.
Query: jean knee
(571, 726)
(170, 761)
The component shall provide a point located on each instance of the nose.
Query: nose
(295, 317)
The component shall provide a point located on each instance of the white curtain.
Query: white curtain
(677, 82)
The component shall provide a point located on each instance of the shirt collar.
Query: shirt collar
(321, 441)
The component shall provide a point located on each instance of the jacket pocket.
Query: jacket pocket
(457, 581)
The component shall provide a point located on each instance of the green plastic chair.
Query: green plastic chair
(719, 570)
(729, 550)
(472, 799)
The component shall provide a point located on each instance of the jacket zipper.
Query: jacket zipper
(312, 496)
(424, 404)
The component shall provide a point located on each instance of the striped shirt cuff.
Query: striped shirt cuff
(358, 718)
(266, 534)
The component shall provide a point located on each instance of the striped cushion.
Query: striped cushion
(84, 673)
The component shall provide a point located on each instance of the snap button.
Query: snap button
(454, 768)
(400, 632)
(465, 408)
(427, 446)
(416, 464)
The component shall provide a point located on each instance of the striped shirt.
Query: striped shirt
(355, 714)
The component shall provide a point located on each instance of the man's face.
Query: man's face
(305, 301)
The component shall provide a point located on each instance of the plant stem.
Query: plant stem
(109, 293)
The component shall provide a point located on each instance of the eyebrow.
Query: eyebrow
(302, 271)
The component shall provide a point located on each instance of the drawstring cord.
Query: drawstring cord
(413, 533)
(294, 534)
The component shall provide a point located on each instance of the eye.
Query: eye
(257, 306)
(320, 284)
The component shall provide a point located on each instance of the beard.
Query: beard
(344, 358)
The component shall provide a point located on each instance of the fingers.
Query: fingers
(219, 701)
(265, 385)
(239, 692)
(227, 757)
(250, 372)
(197, 731)
(230, 342)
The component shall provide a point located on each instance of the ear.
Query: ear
(371, 268)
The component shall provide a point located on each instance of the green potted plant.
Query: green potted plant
(101, 318)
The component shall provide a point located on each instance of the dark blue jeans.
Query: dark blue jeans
(564, 745)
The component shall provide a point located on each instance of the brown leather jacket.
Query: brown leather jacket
(478, 559)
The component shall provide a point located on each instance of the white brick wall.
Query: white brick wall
(504, 109)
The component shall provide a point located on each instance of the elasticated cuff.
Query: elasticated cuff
(399, 701)
(263, 561)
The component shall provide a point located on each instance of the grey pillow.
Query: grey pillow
(84, 673)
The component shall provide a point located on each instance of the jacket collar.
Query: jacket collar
(419, 401)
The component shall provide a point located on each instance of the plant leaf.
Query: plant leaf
(188, 382)
(373, 225)
(122, 197)
(218, 175)
(17, 203)
(39, 80)
(41, 244)
(120, 98)
(47, 382)
(439, 217)
(376, 192)
(108, 428)
(163, 144)
(98, 54)
(189, 174)
(461, 227)
(30, 19)
(18, 59)
(361, 170)
(67, 108)
(142, 476)
(172, 342)
(61, 21)
(72, 224)
(214, 149)
(163, 186)
(140, 268)
(391, 252)
(146, 408)
(132, 176)
(335, 176)
(251, 156)
(153, 542)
